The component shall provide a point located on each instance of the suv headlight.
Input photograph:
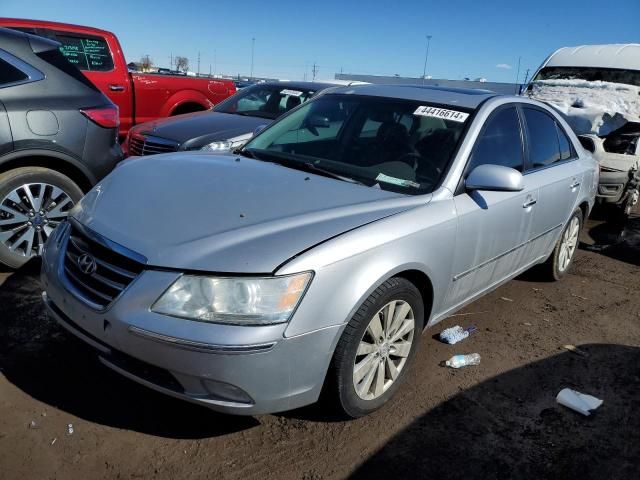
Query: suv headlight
(227, 145)
(234, 300)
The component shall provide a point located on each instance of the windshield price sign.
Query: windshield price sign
(441, 113)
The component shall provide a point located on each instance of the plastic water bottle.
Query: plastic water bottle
(459, 361)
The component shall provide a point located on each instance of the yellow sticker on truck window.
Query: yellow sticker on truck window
(442, 113)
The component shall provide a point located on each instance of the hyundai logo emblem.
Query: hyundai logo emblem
(87, 264)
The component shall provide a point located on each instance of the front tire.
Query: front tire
(377, 348)
(33, 201)
(563, 254)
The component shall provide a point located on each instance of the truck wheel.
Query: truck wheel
(377, 348)
(561, 259)
(33, 201)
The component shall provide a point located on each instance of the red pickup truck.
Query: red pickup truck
(140, 97)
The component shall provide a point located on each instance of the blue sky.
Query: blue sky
(470, 38)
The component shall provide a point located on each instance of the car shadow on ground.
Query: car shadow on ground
(511, 427)
(621, 242)
(49, 364)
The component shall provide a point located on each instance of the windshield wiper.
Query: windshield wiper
(246, 153)
(310, 167)
(269, 156)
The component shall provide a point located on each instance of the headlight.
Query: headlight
(227, 145)
(238, 301)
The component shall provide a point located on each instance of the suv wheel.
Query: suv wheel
(377, 347)
(33, 201)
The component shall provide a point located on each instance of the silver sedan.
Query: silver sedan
(317, 254)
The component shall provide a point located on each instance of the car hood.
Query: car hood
(196, 129)
(196, 211)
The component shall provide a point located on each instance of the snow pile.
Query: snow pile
(590, 107)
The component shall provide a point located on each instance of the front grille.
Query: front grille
(105, 273)
(146, 145)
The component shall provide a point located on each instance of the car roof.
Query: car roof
(463, 97)
(24, 22)
(295, 84)
(626, 56)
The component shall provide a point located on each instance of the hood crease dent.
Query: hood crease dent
(200, 212)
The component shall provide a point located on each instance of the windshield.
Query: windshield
(613, 75)
(398, 145)
(265, 101)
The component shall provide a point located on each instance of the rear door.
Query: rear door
(494, 228)
(552, 167)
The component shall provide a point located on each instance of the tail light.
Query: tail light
(107, 116)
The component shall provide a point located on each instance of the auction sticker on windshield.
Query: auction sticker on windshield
(293, 93)
(441, 113)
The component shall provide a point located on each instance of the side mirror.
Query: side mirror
(495, 178)
(314, 122)
(319, 121)
(258, 129)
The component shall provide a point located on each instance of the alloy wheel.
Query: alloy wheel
(28, 215)
(568, 244)
(383, 350)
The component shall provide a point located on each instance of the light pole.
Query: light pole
(426, 58)
(253, 44)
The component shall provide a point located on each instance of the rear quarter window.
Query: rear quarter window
(58, 60)
(10, 74)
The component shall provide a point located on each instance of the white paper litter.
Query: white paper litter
(579, 402)
(590, 106)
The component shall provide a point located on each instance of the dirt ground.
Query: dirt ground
(498, 420)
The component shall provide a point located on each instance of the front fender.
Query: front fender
(350, 267)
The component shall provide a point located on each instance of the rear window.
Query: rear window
(10, 74)
(55, 58)
(87, 53)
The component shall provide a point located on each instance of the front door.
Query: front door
(494, 228)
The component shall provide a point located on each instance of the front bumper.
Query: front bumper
(231, 369)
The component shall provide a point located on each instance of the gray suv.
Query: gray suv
(57, 139)
(321, 252)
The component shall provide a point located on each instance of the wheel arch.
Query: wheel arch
(185, 98)
(584, 207)
(423, 283)
(56, 161)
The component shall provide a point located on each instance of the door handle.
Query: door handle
(575, 184)
(529, 203)
(116, 88)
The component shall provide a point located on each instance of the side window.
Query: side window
(87, 53)
(10, 74)
(500, 143)
(544, 147)
(566, 151)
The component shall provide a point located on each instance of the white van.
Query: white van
(597, 88)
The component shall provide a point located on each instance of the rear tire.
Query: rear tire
(377, 348)
(33, 201)
(557, 265)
